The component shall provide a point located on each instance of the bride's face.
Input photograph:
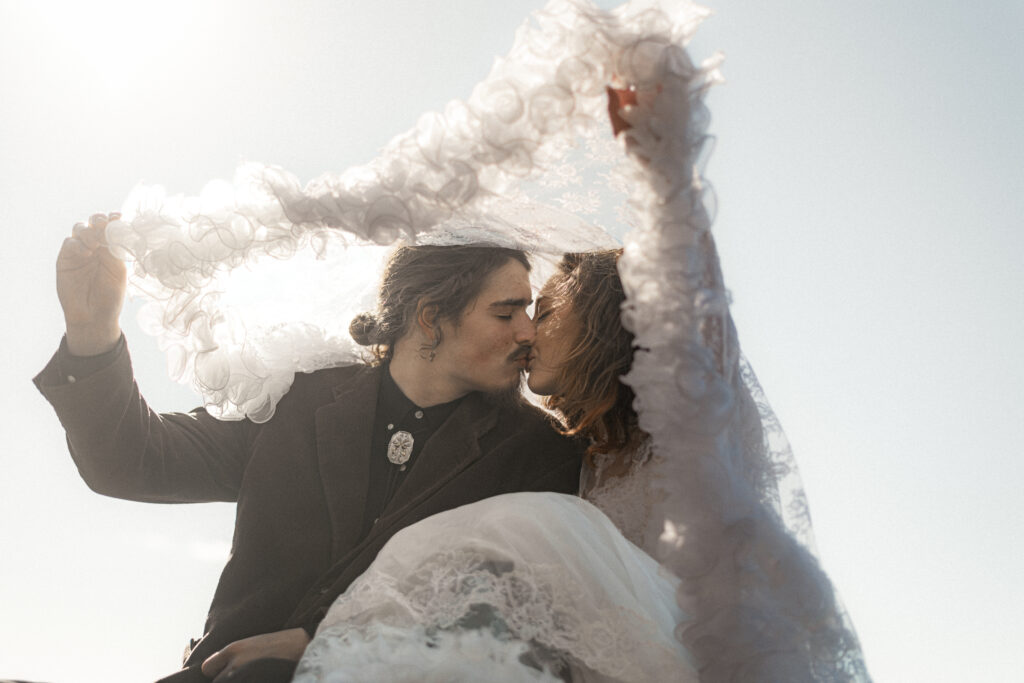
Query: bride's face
(558, 330)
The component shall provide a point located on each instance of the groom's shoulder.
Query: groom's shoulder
(328, 384)
(531, 452)
(335, 374)
(525, 422)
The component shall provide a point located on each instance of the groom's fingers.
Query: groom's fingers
(93, 233)
(217, 662)
(288, 645)
(86, 235)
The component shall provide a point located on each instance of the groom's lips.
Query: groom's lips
(521, 356)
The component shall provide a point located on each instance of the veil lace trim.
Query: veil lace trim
(762, 607)
(255, 280)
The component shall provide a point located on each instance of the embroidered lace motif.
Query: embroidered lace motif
(540, 604)
(628, 499)
(544, 572)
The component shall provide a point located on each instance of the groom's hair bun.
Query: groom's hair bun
(365, 329)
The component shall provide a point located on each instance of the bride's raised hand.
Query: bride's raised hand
(91, 285)
(631, 102)
(618, 100)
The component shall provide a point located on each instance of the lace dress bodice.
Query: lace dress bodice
(627, 498)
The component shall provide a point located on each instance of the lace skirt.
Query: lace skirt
(519, 587)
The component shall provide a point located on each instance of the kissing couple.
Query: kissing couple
(403, 513)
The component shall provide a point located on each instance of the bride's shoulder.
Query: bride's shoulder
(623, 462)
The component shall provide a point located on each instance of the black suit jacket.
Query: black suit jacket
(300, 480)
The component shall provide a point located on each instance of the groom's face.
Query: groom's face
(488, 349)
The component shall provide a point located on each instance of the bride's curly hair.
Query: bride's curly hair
(594, 402)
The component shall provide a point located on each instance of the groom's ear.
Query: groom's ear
(426, 320)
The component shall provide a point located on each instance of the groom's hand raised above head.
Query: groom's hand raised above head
(91, 284)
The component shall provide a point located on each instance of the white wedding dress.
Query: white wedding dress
(722, 517)
(524, 586)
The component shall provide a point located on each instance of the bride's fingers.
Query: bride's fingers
(619, 101)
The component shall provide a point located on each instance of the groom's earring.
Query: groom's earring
(426, 318)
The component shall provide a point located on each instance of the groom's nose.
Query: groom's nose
(526, 331)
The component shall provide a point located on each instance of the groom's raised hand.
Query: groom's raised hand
(91, 284)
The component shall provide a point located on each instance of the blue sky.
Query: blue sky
(869, 169)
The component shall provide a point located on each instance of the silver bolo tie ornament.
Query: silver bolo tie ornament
(400, 447)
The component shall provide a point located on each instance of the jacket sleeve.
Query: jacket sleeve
(124, 449)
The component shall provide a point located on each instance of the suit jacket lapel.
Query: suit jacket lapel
(344, 430)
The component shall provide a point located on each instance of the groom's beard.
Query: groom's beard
(511, 396)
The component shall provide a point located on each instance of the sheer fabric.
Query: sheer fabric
(726, 517)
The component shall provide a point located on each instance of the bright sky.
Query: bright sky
(870, 179)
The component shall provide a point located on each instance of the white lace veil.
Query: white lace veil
(258, 279)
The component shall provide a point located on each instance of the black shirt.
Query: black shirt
(395, 413)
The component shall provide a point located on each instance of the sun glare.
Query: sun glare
(116, 40)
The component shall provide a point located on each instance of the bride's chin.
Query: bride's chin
(537, 386)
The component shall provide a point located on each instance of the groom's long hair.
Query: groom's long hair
(446, 277)
(595, 403)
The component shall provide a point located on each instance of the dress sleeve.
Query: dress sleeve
(124, 449)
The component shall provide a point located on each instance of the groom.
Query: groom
(352, 455)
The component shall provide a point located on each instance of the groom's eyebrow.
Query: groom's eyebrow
(511, 303)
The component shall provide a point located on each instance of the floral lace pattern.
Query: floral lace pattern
(412, 655)
(546, 571)
(629, 498)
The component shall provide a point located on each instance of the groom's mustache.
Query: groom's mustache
(522, 353)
